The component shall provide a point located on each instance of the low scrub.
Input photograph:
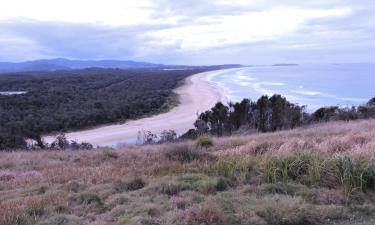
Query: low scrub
(212, 215)
(234, 168)
(279, 188)
(135, 184)
(284, 210)
(204, 142)
(184, 153)
(285, 178)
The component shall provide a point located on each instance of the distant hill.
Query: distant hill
(67, 64)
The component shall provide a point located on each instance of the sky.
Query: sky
(189, 31)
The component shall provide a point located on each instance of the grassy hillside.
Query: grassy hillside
(324, 174)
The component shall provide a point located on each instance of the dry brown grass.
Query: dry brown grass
(355, 139)
(311, 168)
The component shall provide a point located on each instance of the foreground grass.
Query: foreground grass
(318, 175)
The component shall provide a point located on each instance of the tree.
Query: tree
(168, 136)
(61, 142)
(325, 113)
(146, 137)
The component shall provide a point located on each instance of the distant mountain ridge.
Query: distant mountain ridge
(67, 64)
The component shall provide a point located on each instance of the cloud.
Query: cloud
(220, 31)
(191, 31)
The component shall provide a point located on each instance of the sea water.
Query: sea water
(311, 85)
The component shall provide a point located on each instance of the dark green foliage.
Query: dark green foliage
(68, 100)
(278, 188)
(190, 134)
(87, 199)
(222, 184)
(267, 114)
(135, 184)
(270, 114)
(168, 136)
(355, 175)
(204, 142)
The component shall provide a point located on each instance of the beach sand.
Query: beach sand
(196, 96)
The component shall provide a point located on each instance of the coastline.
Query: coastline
(196, 95)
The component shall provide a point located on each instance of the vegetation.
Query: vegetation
(67, 100)
(270, 114)
(320, 174)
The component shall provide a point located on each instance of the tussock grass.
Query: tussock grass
(314, 175)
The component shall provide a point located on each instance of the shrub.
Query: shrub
(286, 168)
(329, 196)
(119, 186)
(147, 221)
(283, 210)
(135, 184)
(262, 148)
(61, 142)
(235, 168)
(278, 188)
(107, 155)
(354, 175)
(183, 153)
(87, 199)
(204, 142)
(222, 184)
(212, 215)
(168, 136)
(178, 202)
(198, 182)
(171, 189)
(74, 145)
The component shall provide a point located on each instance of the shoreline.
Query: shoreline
(196, 95)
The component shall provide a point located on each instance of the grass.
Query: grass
(323, 174)
(204, 142)
(285, 210)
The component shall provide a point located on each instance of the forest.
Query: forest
(68, 100)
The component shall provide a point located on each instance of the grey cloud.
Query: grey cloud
(348, 38)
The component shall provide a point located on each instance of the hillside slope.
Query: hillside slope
(323, 174)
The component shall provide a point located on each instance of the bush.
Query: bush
(183, 153)
(171, 189)
(110, 155)
(119, 186)
(168, 136)
(222, 184)
(135, 184)
(212, 215)
(87, 199)
(204, 142)
(286, 168)
(235, 168)
(355, 175)
(283, 210)
(278, 188)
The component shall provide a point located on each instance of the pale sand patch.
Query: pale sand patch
(196, 96)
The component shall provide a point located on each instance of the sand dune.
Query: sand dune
(196, 95)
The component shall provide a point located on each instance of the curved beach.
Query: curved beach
(196, 96)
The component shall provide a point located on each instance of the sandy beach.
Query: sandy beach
(196, 96)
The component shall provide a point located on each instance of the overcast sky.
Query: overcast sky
(190, 31)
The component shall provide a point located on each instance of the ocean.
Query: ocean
(311, 85)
